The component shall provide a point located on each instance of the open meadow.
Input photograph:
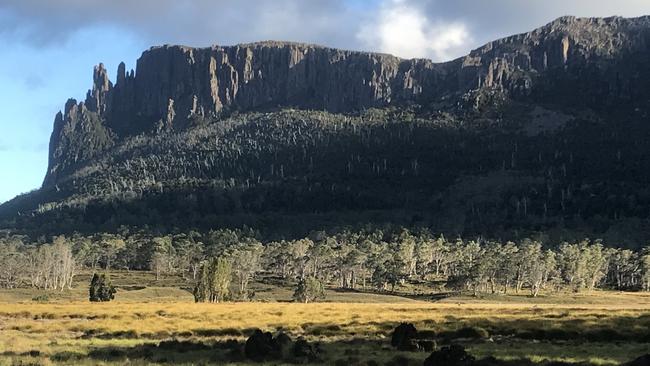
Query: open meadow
(319, 182)
(148, 325)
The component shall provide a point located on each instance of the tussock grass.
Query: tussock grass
(152, 324)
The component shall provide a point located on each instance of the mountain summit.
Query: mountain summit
(578, 61)
(517, 135)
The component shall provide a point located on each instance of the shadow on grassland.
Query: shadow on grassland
(430, 297)
(518, 339)
(351, 352)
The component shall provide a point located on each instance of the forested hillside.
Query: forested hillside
(541, 134)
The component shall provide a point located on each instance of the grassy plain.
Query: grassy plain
(599, 328)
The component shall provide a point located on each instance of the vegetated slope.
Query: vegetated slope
(544, 131)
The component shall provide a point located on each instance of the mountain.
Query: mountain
(543, 132)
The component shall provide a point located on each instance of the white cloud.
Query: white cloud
(438, 29)
(406, 31)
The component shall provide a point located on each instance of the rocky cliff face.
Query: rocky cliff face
(177, 83)
(602, 57)
(589, 62)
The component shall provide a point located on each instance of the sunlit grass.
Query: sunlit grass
(79, 327)
(599, 328)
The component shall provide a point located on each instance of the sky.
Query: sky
(50, 46)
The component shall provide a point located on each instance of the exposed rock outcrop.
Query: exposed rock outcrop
(204, 82)
(598, 63)
(78, 134)
(98, 98)
(578, 52)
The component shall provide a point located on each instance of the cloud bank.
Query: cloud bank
(402, 29)
(438, 29)
(194, 22)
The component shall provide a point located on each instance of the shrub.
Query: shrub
(260, 346)
(403, 337)
(101, 289)
(449, 356)
(303, 352)
(67, 356)
(41, 298)
(426, 345)
(309, 289)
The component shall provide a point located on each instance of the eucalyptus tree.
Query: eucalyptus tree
(405, 244)
(12, 260)
(595, 263)
(624, 268)
(572, 265)
(246, 262)
(645, 269)
(309, 289)
(508, 265)
(213, 284)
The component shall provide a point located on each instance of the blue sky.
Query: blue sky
(50, 47)
(34, 85)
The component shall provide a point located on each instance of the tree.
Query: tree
(51, 266)
(623, 268)
(111, 245)
(298, 250)
(645, 265)
(572, 265)
(542, 265)
(595, 263)
(88, 253)
(245, 263)
(387, 273)
(508, 269)
(163, 257)
(470, 270)
(492, 263)
(529, 253)
(583, 265)
(354, 266)
(424, 249)
(276, 258)
(320, 256)
(308, 290)
(406, 252)
(101, 289)
(202, 288)
(439, 250)
(214, 282)
(158, 263)
(478, 267)
(11, 264)
(189, 255)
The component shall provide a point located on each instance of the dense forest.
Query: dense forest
(289, 172)
(373, 259)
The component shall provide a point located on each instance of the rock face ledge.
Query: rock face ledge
(175, 85)
(587, 61)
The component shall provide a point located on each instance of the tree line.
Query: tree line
(48, 266)
(223, 263)
(460, 175)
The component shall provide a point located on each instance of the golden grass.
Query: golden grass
(616, 325)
